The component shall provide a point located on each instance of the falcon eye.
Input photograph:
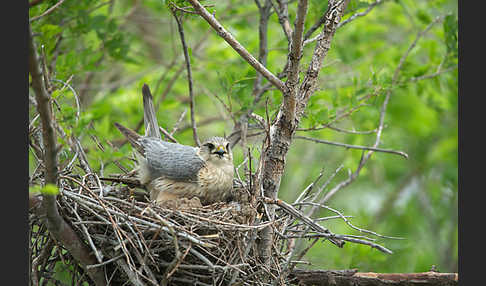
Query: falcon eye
(227, 146)
(210, 146)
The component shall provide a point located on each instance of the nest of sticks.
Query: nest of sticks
(141, 243)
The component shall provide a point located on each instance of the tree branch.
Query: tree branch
(348, 146)
(192, 102)
(353, 277)
(283, 17)
(294, 59)
(55, 223)
(333, 16)
(366, 157)
(282, 130)
(361, 14)
(47, 12)
(223, 33)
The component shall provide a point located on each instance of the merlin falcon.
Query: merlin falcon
(171, 171)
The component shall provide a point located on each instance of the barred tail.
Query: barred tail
(149, 118)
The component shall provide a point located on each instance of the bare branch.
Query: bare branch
(176, 125)
(47, 12)
(289, 101)
(290, 209)
(348, 146)
(346, 220)
(314, 27)
(56, 224)
(192, 102)
(361, 14)
(333, 16)
(351, 131)
(352, 277)
(365, 157)
(283, 17)
(283, 128)
(226, 35)
(427, 76)
(340, 116)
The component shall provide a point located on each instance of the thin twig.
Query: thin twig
(176, 125)
(349, 146)
(226, 35)
(192, 103)
(360, 14)
(346, 220)
(47, 12)
(366, 157)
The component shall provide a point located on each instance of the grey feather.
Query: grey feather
(171, 160)
(149, 118)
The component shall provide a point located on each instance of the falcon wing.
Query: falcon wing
(171, 160)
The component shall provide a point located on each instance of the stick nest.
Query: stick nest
(146, 244)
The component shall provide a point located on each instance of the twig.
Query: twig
(427, 76)
(226, 35)
(132, 276)
(365, 157)
(97, 253)
(351, 131)
(283, 17)
(361, 14)
(346, 220)
(192, 103)
(314, 27)
(105, 262)
(76, 97)
(309, 188)
(324, 186)
(167, 134)
(291, 210)
(176, 125)
(47, 12)
(340, 116)
(348, 146)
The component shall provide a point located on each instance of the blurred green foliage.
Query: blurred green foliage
(106, 50)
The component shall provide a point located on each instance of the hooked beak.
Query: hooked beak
(220, 150)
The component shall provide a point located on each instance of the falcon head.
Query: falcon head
(216, 150)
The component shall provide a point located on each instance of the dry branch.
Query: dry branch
(56, 224)
(349, 146)
(192, 102)
(282, 130)
(352, 277)
(226, 35)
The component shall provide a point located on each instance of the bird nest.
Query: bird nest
(137, 241)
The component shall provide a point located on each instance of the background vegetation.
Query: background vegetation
(106, 50)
